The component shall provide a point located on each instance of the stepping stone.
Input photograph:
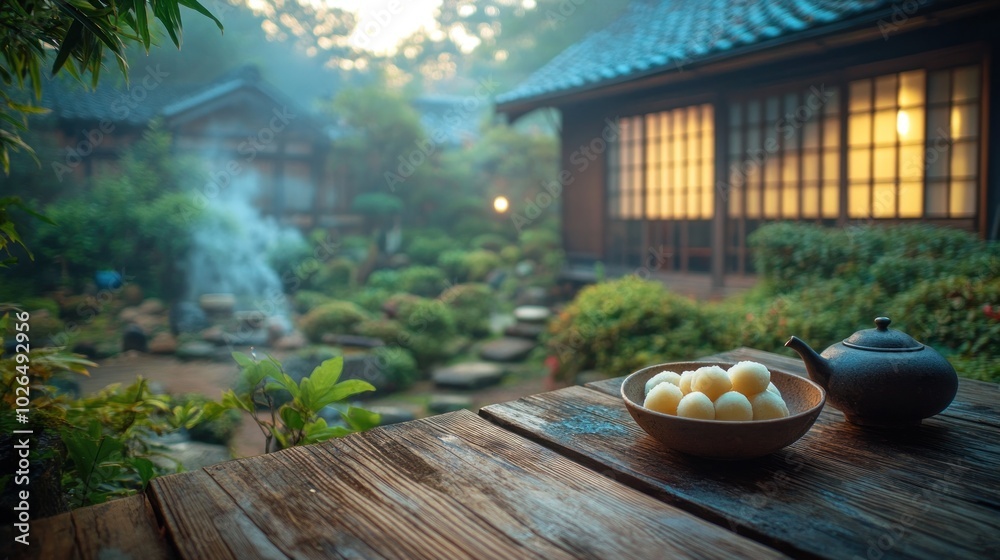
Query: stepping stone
(532, 314)
(506, 349)
(439, 404)
(469, 375)
(196, 350)
(529, 331)
(352, 341)
(393, 414)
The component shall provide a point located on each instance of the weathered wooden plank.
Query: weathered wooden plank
(976, 401)
(202, 521)
(49, 537)
(838, 492)
(456, 486)
(122, 529)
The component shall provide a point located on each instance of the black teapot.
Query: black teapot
(881, 377)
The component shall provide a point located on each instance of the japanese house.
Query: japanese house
(686, 125)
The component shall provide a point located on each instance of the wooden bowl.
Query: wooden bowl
(716, 439)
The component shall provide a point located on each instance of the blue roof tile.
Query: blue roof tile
(669, 34)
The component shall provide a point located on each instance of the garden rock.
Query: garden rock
(186, 316)
(163, 343)
(152, 306)
(439, 404)
(132, 294)
(196, 350)
(214, 334)
(244, 337)
(469, 375)
(218, 305)
(134, 338)
(128, 314)
(506, 349)
(291, 341)
(532, 314)
(525, 330)
(352, 341)
(532, 295)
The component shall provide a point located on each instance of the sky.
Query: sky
(382, 24)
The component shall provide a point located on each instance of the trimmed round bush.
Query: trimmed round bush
(426, 248)
(489, 241)
(384, 279)
(336, 317)
(307, 300)
(620, 326)
(429, 326)
(471, 305)
(371, 299)
(427, 281)
(398, 366)
(480, 263)
(453, 264)
(387, 330)
(336, 276)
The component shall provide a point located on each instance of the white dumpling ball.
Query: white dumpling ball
(685, 382)
(749, 378)
(663, 376)
(664, 398)
(768, 406)
(733, 406)
(773, 389)
(711, 380)
(696, 405)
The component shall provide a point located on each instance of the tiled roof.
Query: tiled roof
(143, 99)
(135, 105)
(667, 35)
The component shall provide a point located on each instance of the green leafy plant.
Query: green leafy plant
(336, 317)
(298, 421)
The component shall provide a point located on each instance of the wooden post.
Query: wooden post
(720, 127)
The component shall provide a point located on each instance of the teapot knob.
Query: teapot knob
(882, 323)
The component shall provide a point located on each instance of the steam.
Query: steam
(230, 247)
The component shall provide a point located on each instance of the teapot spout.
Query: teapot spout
(817, 366)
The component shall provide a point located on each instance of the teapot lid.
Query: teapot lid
(882, 339)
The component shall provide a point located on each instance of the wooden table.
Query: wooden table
(568, 474)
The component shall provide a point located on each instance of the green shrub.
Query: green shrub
(388, 330)
(510, 254)
(371, 299)
(620, 326)
(789, 255)
(951, 314)
(307, 300)
(337, 317)
(454, 264)
(377, 204)
(429, 326)
(480, 263)
(537, 242)
(384, 279)
(219, 429)
(33, 304)
(471, 305)
(427, 281)
(398, 365)
(489, 242)
(335, 277)
(425, 249)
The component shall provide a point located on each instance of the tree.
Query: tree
(80, 34)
